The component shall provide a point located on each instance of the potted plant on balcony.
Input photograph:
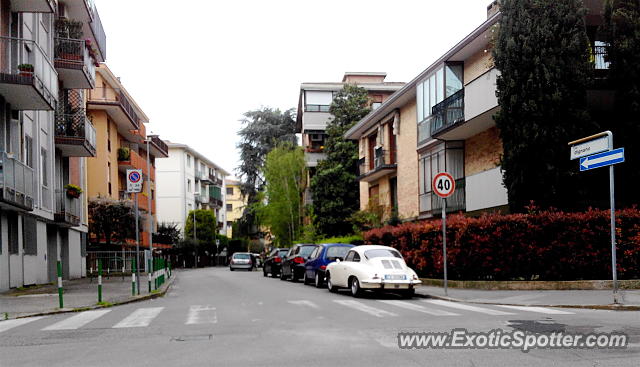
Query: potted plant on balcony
(124, 154)
(25, 69)
(73, 191)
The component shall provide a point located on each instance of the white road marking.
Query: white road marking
(461, 306)
(416, 307)
(304, 302)
(139, 318)
(10, 324)
(77, 321)
(202, 315)
(365, 308)
(544, 310)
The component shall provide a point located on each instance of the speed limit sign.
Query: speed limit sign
(444, 185)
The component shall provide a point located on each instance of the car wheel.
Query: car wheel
(305, 280)
(264, 272)
(330, 285)
(318, 280)
(356, 291)
(293, 278)
(409, 293)
(282, 277)
(231, 269)
(274, 275)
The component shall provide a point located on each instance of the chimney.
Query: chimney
(493, 8)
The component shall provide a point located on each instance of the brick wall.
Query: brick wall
(482, 152)
(477, 64)
(408, 162)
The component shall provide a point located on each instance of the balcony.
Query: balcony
(215, 196)
(28, 80)
(116, 103)
(16, 183)
(143, 201)
(34, 6)
(316, 108)
(75, 134)
(128, 158)
(431, 203)
(448, 113)
(74, 63)
(202, 199)
(68, 209)
(383, 164)
(204, 177)
(158, 147)
(86, 12)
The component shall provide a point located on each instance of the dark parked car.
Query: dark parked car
(322, 256)
(273, 262)
(293, 264)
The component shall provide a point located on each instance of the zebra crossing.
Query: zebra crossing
(208, 314)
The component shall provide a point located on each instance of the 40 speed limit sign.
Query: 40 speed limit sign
(444, 185)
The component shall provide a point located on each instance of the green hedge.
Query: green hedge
(353, 240)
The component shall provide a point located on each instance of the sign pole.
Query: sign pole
(137, 244)
(444, 243)
(612, 198)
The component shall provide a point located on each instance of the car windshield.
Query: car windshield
(242, 256)
(305, 251)
(283, 253)
(337, 251)
(370, 254)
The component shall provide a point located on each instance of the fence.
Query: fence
(115, 262)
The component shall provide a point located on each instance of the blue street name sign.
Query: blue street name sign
(602, 159)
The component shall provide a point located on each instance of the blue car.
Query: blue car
(322, 256)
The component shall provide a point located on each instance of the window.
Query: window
(229, 224)
(447, 157)
(371, 254)
(12, 227)
(229, 190)
(349, 256)
(441, 84)
(29, 236)
(44, 165)
(314, 254)
(188, 185)
(336, 252)
(229, 207)
(356, 257)
(317, 101)
(28, 147)
(188, 160)
(376, 105)
(108, 135)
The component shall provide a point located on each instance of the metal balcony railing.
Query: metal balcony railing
(381, 159)
(74, 54)
(16, 182)
(160, 144)
(34, 6)
(432, 203)
(98, 30)
(68, 209)
(75, 128)
(23, 62)
(448, 112)
(316, 108)
(598, 56)
(117, 97)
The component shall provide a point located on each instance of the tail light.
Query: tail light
(298, 260)
(277, 259)
(323, 267)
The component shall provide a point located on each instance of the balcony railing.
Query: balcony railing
(68, 209)
(132, 160)
(431, 203)
(98, 31)
(202, 199)
(599, 54)
(75, 135)
(34, 6)
(74, 63)
(159, 144)
(28, 80)
(16, 182)
(115, 97)
(316, 108)
(382, 159)
(448, 112)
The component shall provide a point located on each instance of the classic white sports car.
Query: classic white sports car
(372, 267)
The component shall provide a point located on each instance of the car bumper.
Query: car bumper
(240, 266)
(389, 284)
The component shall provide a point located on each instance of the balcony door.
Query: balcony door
(372, 142)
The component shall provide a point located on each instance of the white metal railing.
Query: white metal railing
(16, 181)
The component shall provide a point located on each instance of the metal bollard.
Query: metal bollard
(60, 290)
(99, 281)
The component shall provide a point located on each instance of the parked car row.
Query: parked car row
(338, 265)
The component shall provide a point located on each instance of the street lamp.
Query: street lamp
(195, 239)
(147, 140)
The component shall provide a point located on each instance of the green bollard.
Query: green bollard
(99, 281)
(133, 276)
(60, 291)
(149, 271)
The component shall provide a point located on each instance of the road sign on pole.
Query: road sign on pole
(134, 180)
(584, 149)
(444, 186)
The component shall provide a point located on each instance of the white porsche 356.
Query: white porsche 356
(372, 267)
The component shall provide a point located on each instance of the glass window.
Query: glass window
(188, 160)
(371, 254)
(349, 256)
(229, 190)
(439, 86)
(336, 251)
(188, 185)
(229, 207)
(420, 109)
(240, 256)
(453, 79)
(432, 92)
(44, 165)
(306, 250)
(283, 253)
(356, 257)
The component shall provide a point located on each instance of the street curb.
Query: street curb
(145, 297)
(610, 307)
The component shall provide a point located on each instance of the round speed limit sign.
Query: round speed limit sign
(444, 185)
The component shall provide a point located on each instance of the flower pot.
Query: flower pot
(26, 73)
(73, 194)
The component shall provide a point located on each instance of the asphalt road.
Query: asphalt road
(214, 317)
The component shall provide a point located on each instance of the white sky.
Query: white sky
(194, 66)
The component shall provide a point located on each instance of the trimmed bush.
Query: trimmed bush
(353, 240)
(549, 245)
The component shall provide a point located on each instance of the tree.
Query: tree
(111, 220)
(335, 187)
(263, 130)
(622, 32)
(542, 52)
(167, 233)
(206, 226)
(285, 176)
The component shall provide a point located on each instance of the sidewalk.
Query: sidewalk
(630, 299)
(78, 294)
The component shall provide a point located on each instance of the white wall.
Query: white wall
(485, 190)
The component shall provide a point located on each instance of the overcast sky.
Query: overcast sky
(194, 66)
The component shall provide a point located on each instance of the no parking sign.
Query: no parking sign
(134, 180)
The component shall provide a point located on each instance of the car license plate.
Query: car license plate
(395, 277)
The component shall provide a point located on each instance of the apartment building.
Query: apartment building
(235, 204)
(122, 143)
(313, 110)
(443, 121)
(187, 180)
(48, 53)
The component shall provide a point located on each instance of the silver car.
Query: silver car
(241, 260)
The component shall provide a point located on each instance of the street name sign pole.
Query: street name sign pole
(594, 152)
(444, 186)
(134, 185)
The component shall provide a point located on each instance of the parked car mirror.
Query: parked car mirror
(338, 260)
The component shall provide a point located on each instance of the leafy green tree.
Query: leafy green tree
(542, 52)
(206, 226)
(263, 130)
(334, 186)
(285, 174)
(622, 30)
(111, 220)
